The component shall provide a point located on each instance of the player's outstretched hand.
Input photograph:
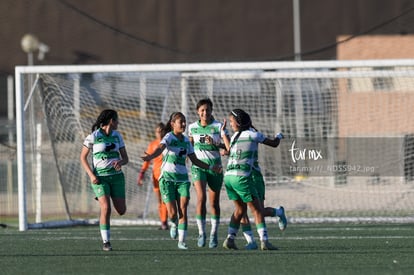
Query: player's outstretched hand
(140, 179)
(146, 157)
(223, 126)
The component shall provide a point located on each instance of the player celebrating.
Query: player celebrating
(259, 184)
(238, 177)
(205, 134)
(108, 181)
(156, 172)
(174, 182)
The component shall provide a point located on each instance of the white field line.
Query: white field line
(240, 238)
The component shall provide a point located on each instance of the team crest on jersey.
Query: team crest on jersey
(182, 152)
(109, 146)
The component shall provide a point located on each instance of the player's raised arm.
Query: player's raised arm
(274, 142)
(156, 153)
(224, 136)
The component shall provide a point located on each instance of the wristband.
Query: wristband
(222, 133)
(279, 136)
(141, 174)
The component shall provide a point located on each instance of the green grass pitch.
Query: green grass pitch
(303, 249)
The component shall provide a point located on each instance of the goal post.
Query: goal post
(348, 151)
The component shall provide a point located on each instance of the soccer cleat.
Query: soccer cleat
(282, 219)
(213, 241)
(173, 231)
(182, 245)
(164, 226)
(251, 246)
(201, 240)
(229, 244)
(107, 246)
(266, 245)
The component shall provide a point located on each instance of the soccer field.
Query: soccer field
(303, 249)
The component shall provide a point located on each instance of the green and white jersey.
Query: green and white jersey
(209, 153)
(243, 153)
(105, 150)
(173, 160)
(256, 161)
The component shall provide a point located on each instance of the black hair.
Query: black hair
(104, 118)
(243, 120)
(162, 127)
(204, 101)
(173, 117)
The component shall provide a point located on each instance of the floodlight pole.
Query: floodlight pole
(296, 30)
(10, 117)
(30, 59)
(30, 44)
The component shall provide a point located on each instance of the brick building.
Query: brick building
(376, 106)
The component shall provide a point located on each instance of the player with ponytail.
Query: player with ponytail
(174, 182)
(238, 178)
(108, 181)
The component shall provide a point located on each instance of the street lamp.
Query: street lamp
(296, 30)
(30, 43)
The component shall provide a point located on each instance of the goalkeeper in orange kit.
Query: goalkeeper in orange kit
(156, 172)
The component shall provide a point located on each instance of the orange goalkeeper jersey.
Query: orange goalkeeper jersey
(156, 162)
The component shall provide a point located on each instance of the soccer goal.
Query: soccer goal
(348, 152)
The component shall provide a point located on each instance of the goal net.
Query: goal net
(348, 152)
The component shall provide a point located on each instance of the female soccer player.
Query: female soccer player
(259, 184)
(238, 177)
(205, 134)
(108, 182)
(174, 182)
(156, 172)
